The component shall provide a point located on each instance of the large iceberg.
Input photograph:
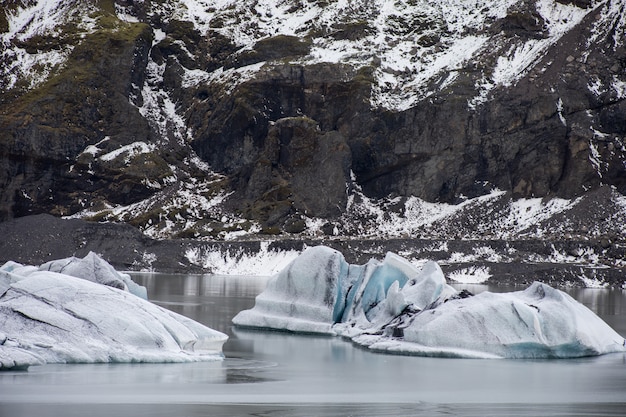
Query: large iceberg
(83, 311)
(392, 306)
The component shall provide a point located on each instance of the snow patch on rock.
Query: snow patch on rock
(44, 18)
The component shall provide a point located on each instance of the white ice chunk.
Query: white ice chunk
(302, 296)
(94, 268)
(392, 269)
(392, 306)
(540, 322)
(319, 289)
(429, 286)
(52, 317)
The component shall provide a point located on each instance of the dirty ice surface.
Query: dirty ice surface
(392, 306)
(84, 311)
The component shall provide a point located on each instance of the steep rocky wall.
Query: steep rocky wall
(534, 138)
(288, 133)
(44, 132)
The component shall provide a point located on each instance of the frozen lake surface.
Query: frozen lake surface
(280, 374)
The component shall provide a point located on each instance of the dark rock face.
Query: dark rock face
(302, 167)
(298, 137)
(44, 132)
(285, 163)
(520, 140)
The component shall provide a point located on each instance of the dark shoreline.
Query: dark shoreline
(40, 238)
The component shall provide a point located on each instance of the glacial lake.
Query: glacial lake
(280, 374)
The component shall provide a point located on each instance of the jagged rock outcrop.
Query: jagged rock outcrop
(190, 119)
(46, 130)
(285, 163)
(533, 138)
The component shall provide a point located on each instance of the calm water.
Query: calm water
(277, 374)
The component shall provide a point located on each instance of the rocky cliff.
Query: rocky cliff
(221, 119)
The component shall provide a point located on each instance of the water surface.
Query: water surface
(280, 374)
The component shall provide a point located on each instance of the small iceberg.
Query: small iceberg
(84, 311)
(392, 306)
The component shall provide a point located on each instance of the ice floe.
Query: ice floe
(81, 311)
(394, 307)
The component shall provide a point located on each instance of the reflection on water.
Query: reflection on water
(279, 374)
(212, 300)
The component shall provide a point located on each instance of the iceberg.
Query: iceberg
(83, 311)
(392, 306)
(303, 297)
(94, 268)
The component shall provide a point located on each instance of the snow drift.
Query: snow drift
(391, 306)
(81, 311)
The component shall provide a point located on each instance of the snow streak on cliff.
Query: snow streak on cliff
(417, 47)
(30, 46)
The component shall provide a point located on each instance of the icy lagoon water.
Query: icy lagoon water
(279, 374)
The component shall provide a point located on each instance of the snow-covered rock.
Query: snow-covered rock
(432, 109)
(392, 306)
(47, 316)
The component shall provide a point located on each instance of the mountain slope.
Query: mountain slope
(223, 119)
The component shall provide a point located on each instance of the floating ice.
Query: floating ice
(392, 306)
(301, 298)
(49, 316)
